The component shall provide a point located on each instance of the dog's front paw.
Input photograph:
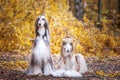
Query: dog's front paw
(33, 72)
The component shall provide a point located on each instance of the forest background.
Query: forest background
(92, 36)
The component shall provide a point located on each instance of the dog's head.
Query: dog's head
(40, 22)
(67, 46)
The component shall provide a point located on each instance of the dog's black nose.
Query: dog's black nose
(67, 50)
(39, 24)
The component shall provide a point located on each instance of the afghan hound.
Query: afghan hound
(70, 64)
(41, 61)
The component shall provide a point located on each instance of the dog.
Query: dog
(41, 61)
(41, 28)
(70, 65)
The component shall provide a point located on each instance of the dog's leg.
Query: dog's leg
(34, 66)
(82, 66)
(48, 66)
(61, 63)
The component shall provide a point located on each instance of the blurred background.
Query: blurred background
(94, 25)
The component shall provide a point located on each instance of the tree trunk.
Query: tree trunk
(77, 8)
(99, 23)
(118, 20)
(99, 10)
(79, 11)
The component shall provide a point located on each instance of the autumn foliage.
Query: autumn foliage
(17, 18)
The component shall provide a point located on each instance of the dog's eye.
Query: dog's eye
(64, 43)
(71, 44)
(43, 19)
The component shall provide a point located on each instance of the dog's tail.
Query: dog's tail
(82, 63)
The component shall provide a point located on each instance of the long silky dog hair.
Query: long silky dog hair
(70, 64)
(41, 60)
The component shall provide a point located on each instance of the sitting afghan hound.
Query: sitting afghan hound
(69, 64)
(41, 61)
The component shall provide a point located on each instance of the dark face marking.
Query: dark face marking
(67, 47)
(64, 43)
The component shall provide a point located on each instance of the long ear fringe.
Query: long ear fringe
(47, 33)
(62, 50)
(36, 26)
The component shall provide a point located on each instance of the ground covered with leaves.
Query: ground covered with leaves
(12, 67)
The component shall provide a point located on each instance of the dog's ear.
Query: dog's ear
(46, 24)
(62, 53)
(47, 32)
(36, 26)
(72, 46)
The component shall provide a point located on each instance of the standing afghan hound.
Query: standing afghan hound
(41, 61)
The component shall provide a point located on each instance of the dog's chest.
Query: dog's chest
(40, 50)
(70, 63)
(41, 31)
